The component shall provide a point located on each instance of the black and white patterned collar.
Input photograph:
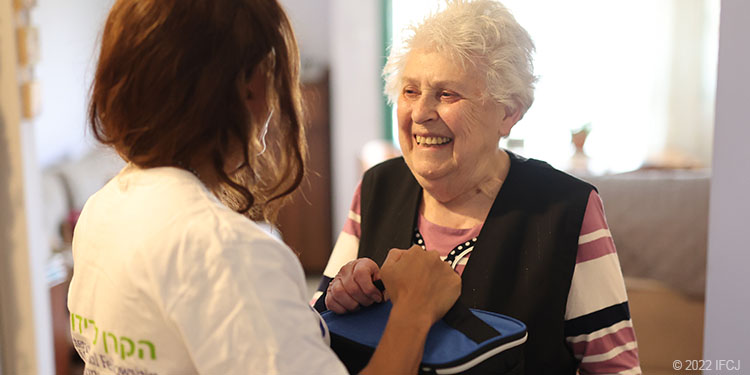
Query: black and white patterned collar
(455, 255)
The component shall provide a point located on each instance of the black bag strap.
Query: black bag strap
(461, 319)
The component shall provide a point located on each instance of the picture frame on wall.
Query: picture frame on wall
(30, 99)
(24, 4)
(28, 45)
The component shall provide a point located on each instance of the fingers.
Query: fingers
(356, 277)
(416, 247)
(419, 278)
(420, 281)
(355, 291)
(363, 275)
(353, 287)
(394, 255)
(338, 300)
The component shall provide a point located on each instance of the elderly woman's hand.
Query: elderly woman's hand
(419, 283)
(353, 287)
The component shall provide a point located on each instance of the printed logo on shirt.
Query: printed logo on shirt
(122, 346)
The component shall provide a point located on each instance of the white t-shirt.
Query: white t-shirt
(167, 280)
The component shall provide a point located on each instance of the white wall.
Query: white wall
(692, 77)
(357, 109)
(25, 320)
(310, 20)
(727, 329)
(68, 36)
(343, 34)
(346, 36)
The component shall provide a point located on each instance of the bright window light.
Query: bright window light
(608, 63)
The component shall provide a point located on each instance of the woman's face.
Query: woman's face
(448, 123)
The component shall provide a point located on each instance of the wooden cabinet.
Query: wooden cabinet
(305, 224)
(67, 361)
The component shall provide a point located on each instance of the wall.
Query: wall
(310, 20)
(345, 36)
(24, 296)
(330, 32)
(727, 331)
(68, 37)
(694, 48)
(357, 113)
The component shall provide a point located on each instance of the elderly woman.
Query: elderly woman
(529, 241)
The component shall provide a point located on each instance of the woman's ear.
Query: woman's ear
(510, 119)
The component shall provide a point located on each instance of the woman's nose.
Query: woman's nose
(424, 110)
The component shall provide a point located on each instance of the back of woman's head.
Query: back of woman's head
(172, 85)
(481, 32)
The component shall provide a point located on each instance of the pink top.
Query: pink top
(597, 289)
(444, 240)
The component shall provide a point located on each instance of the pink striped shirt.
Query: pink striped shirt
(598, 327)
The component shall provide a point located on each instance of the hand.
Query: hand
(420, 283)
(352, 287)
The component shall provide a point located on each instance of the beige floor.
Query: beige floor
(668, 326)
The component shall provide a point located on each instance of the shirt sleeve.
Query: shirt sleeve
(598, 327)
(244, 311)
(346, 247)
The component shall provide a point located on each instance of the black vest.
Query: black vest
(523, 260)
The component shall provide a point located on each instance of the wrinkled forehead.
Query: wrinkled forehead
(461, 55)
(440, 68)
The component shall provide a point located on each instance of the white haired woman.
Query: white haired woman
(529, 241)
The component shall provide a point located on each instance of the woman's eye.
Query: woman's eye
(447, 95)
(410, 93)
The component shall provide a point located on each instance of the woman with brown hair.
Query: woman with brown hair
(201, 98)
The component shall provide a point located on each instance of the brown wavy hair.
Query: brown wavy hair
(172, 82)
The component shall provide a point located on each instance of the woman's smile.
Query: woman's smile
(432, 141)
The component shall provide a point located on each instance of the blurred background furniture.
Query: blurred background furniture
(65, 187)
(305, 224)
(659, 222)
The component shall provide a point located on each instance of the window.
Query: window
(641, 72)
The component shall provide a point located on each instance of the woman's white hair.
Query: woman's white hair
(481, 32)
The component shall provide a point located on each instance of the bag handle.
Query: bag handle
(463, 320)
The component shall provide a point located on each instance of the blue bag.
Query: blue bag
(465, 341)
